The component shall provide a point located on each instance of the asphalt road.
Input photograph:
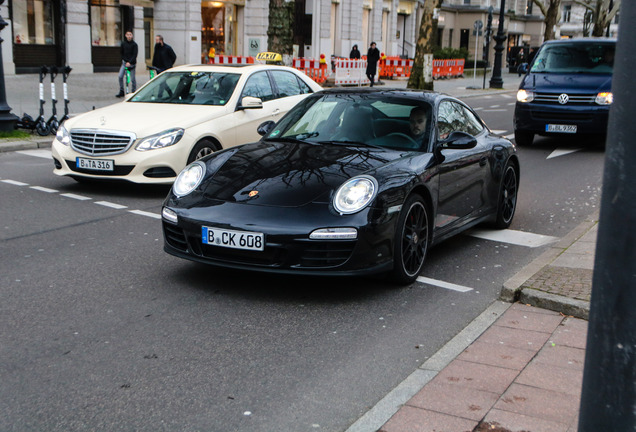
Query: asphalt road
(101, 330)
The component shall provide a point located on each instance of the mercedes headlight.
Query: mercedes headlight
(355, 194)
(525, 96)
(604, 98)
(63, 136)
(188, 179)
(160, 140)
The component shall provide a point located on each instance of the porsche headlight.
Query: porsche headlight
(525, 96)
(160, 140)
(188, 179)
(604, 98)
(355, 194)
(63, 136)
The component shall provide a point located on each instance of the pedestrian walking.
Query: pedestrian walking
(373, 56)
(164, 56)
(355, 53)
(128, 50)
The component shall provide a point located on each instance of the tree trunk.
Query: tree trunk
(280, 37)
(552, 18)
(418, 80)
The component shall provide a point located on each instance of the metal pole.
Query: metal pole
(7, 120)
(609, 377)
(496, 81)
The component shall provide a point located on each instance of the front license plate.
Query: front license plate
(560, 128)
(233, 239)
(95, 164)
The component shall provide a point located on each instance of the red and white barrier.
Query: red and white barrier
(227, 59)
(351, 72)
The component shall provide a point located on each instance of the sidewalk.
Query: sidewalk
(516, 368)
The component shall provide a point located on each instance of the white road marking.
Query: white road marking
(496, 110)
(44, 189)
(77, 197)
(111, 205)
(511, 104)
(14, 182)
(145, 213)
(41, 153)
(507, 96)
(519, 238)
(443, 284)
(562, 152)
(478, 108)
(495, 106)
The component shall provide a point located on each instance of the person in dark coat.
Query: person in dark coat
(164, 56)
(373, 55)
(355, 53)
(128, 51)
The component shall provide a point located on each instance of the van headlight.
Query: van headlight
(525, 96)
(604, 98)
(63, 136)
(160, 140)
(189, 179)
(355, 194)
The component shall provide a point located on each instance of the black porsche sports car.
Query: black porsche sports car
(348, 182)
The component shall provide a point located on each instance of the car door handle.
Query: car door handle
(276, 111)
(483, 161)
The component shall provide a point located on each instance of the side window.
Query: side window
(455, 117)
(258, 85)
(286, 83)
(473, 126)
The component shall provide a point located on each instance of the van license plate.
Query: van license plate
(560, 128)
(233, 239)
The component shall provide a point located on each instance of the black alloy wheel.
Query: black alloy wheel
(411, 240)
(507, 197)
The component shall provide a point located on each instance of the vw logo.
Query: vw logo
(563, 98)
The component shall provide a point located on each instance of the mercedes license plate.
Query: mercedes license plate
(560, 128)
(95, 164)
(233, 239)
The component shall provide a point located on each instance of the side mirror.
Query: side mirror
(265, 128)
(249, 102)
(459, 141)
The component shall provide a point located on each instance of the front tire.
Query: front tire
(411, 241)
(524, 139)
(507, 201)
(202, 148)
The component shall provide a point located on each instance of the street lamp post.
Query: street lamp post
(7, 120)
(496, 81)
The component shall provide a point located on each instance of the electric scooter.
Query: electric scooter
(53, 122)
(27, 122)
(154, 71)
(65, 73)
(127, 80)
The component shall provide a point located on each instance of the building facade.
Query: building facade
(86, 34)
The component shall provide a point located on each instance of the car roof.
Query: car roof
(426, 95)
(240, 68)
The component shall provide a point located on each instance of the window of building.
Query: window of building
(218, 28)
(106, 23)
(466, 2)
(567, 13)
(33, 22)
(529, 7)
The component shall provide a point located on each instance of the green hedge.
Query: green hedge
(450, 53)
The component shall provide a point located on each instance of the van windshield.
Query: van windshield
(592, 58)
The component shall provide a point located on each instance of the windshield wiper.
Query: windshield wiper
(300, 138)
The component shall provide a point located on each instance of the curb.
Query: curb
(37, 143)
(514, 290)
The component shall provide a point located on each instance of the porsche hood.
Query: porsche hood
(288, 174)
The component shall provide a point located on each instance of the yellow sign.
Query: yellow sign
(269, 57)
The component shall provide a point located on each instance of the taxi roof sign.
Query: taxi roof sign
(270, 57)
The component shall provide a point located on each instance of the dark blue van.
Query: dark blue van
(567, 90)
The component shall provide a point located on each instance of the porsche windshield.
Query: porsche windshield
(189, 88)
(592, 58)
(368, 119)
